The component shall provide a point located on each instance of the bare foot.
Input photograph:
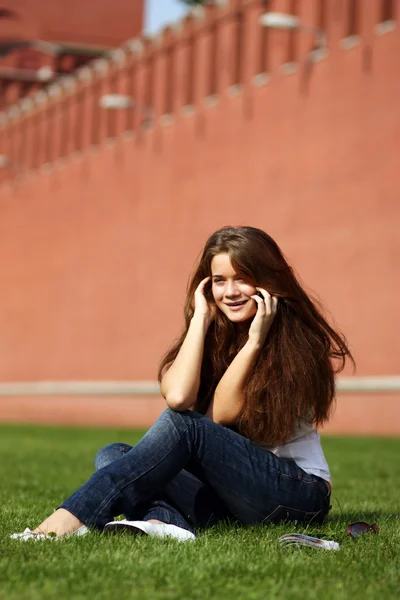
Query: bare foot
(60, 522)
(156, 521)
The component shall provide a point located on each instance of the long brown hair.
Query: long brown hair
(293, 376)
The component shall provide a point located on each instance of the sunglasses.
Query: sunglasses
(354, 530)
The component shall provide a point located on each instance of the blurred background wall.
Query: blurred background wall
(113, 176)
(40, 40)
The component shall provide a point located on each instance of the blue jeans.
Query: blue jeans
(191, 472)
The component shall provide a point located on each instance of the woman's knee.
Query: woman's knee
(109, 454)
(188, 415)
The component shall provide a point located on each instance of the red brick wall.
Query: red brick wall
(97, 22)
(96, 247)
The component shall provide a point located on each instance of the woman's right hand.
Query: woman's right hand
(202, 308)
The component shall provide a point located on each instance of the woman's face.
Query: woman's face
(232, 293)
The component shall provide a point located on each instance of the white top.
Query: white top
(306, 450)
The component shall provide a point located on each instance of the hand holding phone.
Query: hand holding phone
(267, 306)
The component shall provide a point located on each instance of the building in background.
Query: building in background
(112, 179)
(41, 39)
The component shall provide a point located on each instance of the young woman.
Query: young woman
(246, 385)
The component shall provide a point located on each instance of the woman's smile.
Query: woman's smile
(236, 305)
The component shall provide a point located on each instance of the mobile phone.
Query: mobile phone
(260, 294)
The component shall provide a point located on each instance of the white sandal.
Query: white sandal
(161, 530)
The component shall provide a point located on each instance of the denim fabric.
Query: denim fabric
(185, 490)
(198, 472)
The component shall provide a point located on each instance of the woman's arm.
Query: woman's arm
(229, 394)
(180, 384)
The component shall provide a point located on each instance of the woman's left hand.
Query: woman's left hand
(266, 310)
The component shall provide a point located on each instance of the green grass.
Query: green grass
(41, 466)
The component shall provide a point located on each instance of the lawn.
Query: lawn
(40, 466)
